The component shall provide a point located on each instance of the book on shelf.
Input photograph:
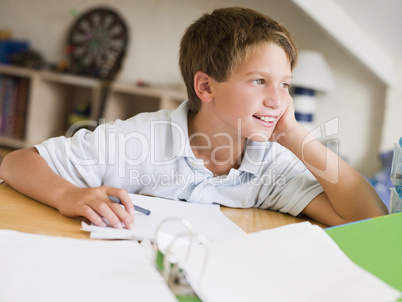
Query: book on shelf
(13, 106)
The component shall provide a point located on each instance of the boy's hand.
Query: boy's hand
(285, 124)
(94, 204)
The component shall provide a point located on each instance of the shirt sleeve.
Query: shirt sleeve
(79, 159)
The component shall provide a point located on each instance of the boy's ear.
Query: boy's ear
(202, 86)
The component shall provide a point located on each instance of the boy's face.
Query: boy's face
(256, 94)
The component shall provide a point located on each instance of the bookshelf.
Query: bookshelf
(126, 100)
(50, 97)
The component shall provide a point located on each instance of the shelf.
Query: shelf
(52, 97)
(70, 79)
(17, 71)
(126, 100)
(148, 91)
(12, 142)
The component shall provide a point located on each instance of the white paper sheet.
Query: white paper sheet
(297, 262)
(206, 220)
(36, 268)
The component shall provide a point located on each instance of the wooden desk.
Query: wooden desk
(21, 213)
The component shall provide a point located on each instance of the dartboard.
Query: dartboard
(96, 44)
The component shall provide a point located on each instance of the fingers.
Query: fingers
(89, 213)
(126, 215)
(113, 213)
(120, 216)
(97, 207)
(124, 199)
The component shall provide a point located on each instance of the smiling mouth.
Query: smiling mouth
(268, 119)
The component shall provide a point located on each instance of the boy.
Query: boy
(229, 143)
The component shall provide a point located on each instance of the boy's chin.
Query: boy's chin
(259, 137)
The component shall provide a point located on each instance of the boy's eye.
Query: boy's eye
(285, 85)
(259, 81)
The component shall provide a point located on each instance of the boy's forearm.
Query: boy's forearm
(349, 193)
(27, 172)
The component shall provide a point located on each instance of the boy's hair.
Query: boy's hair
(217, 42)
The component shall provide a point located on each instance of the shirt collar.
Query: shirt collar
(253, 156)
(179, 118)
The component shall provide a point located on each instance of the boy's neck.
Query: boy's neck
(219, 150)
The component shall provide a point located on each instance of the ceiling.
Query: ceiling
(382, 19)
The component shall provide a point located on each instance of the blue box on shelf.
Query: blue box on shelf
(11, 47)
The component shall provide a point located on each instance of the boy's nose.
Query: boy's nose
(273, 98)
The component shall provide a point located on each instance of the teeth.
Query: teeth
(266, 118)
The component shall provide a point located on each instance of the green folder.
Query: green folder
(375, 245)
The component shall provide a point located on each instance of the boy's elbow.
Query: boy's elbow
(13, 161)
(380, 211)
(376, 210)
(5, 166)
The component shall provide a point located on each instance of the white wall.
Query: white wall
(392, 127)
(156, 27)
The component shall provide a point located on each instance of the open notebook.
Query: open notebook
(206, 219)
(297, 262)
(37, 268)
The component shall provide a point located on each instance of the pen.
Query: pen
(137, 208)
